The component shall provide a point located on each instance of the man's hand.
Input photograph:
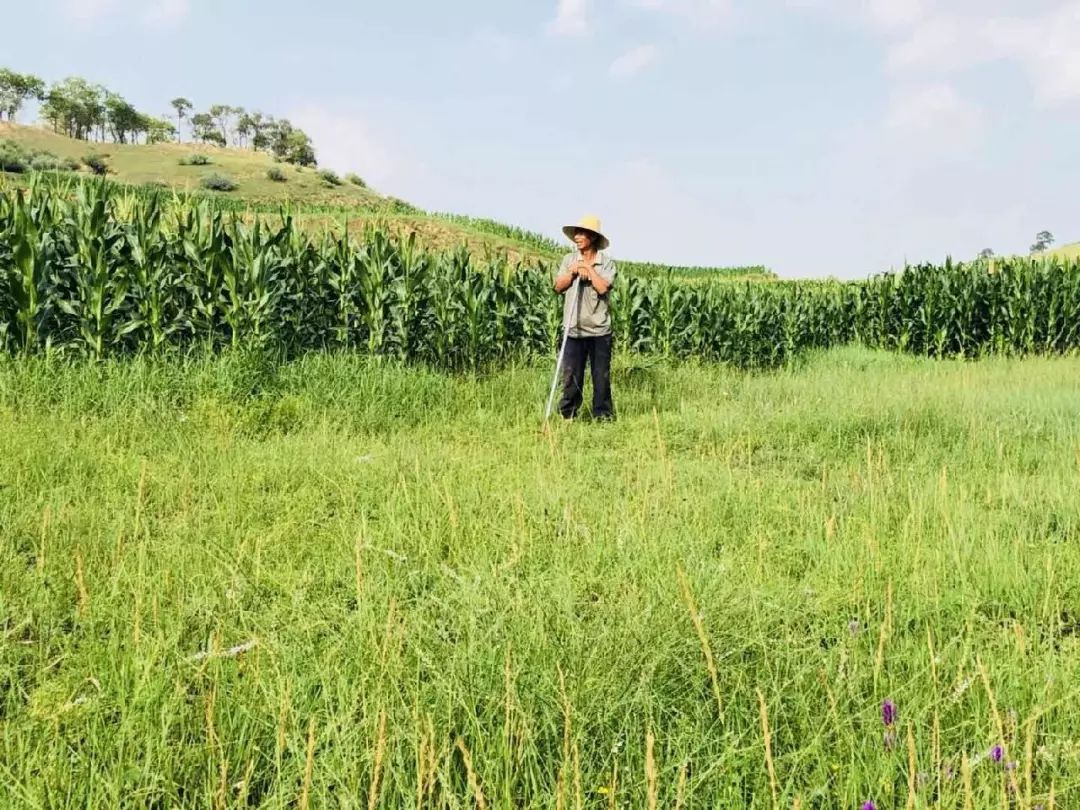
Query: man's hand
(579, 270)
(563, 282)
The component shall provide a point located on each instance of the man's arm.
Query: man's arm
(565, 277)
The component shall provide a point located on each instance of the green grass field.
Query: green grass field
(339, 583)
(160, 163)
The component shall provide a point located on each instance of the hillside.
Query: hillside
(161, 163)
(318, 204)
(1066, 251)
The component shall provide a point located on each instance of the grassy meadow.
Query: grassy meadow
(340, 582)
(1067, 251)
(140, 164)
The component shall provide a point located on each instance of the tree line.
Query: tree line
(227, 125)
(86, 111)
(1043, 241)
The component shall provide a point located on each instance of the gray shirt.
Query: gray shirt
(593, 318)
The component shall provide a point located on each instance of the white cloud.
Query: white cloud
(933, 117)
(1053, 59)
(571, 19)
(87, 10)
(934, 39)
(937, 45)
(165, 13)
(1043, 45)
(634, 61)
(698, 12)
(154, 13)
(890, 14)
(347, 142)
(878, 14)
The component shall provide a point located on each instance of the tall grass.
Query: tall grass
(231, 582)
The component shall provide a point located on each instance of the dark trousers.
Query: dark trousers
(597, 351)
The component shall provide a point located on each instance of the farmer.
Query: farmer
(585, 309)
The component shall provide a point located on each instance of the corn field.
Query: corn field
(89, 269)
(683, 273)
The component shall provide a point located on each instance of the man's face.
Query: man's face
(583, 239)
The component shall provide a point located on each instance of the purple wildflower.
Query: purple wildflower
(869, 805)
(996, 753)
(888, 712)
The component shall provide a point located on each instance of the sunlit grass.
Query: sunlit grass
(226, 583)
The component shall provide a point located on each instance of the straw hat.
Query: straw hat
(589, 223)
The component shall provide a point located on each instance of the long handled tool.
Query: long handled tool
(576, 289)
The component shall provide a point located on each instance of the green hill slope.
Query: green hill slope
(1066, 251)
(316, 203)
(161, 163)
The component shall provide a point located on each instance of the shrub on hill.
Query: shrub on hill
(330, 177)
(195, 160)
(46, 163)
(16, 159)
(401, 207)
(277, 175)
(98, 164)
(219, 182)
(12, 158)
(356, 180)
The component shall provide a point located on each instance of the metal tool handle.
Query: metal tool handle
(562, 349)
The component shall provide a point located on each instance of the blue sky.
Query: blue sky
(819, 137)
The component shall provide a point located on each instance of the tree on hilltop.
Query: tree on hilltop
(85, 111)
(16, 89)
(75, 108)
(1043, 240)
(263, 129)
(248, 128)
(222, 116)
(240, 115)
(204, 129)
(157, 130)
(123, 119)
(292, 144)
(182, 107)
